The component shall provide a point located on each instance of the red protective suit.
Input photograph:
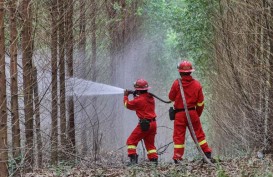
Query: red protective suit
(195, 99)
(144, 105)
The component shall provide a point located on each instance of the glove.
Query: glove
(199, 110)
(126, 93)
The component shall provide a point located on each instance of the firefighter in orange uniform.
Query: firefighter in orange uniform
(195, 101)
(144, 105)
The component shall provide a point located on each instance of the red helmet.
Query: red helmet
(141, 84)
(185, 67)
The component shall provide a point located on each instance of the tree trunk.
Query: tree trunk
(111, 12)
(69, 56)
(3, 117)
(27, 80)
(14, 82)
(62, 76)
(37, 117)
(54, 84)
(83, 67)
(270, 120)
(82, 43)
(94, 40)
(264, 89)
(118, 36)
(96, 127)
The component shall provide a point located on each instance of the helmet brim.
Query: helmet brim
(185, 71)
(147, 88)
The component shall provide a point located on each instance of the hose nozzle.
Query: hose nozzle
(132, 92)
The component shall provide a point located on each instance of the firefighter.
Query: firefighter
(144, 105)
(195, 102)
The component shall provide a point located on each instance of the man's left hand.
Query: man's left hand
(126, 93)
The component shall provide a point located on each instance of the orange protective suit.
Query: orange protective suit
(144, 105)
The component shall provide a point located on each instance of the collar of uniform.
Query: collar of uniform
(143, 94)
(187, 78)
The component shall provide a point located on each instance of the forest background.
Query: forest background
(43, 43)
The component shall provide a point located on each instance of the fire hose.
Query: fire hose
(134, 93)
(160, 98)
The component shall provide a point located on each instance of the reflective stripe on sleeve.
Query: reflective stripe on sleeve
(151, 151)
(125, 104)
(131, 147)
(200, 104)
(202, 142)
(179, 146)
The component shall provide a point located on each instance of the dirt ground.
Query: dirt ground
(238, 167)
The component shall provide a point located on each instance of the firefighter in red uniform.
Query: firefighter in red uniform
(144, 105)
(195, 101)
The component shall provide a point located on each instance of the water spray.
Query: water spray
(83, 87)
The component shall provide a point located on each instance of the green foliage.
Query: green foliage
(171, 40)
(197, 31)
(63, 168)
(186, 27)
(139, 11)
(128, 1)
(14, 163)
(117, 7)
(220, 171)
(159, 17)
(189, 20)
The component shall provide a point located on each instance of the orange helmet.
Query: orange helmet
(185, 67)
(141, 84)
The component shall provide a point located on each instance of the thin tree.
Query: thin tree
(14, 81)
(270, 120)
(61, 44)
(3, 117)
(69, 5)
(82, 42)
(113, 35)
(54, 84)
(82, 54)
(27, 51)
(94, 39)
(118, 34)
(37, 117)
(96, 127)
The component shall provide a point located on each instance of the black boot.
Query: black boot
(208, 155)
(133, 159)
(177, 162)
(154, 161)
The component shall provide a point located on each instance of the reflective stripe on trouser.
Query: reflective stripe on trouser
(152, 153)
(204, 145)
(202, 142)
(178, 151)
(180, 125)
(131, 149)
(148, 138)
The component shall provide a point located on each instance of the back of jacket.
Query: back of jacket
(193, 93)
